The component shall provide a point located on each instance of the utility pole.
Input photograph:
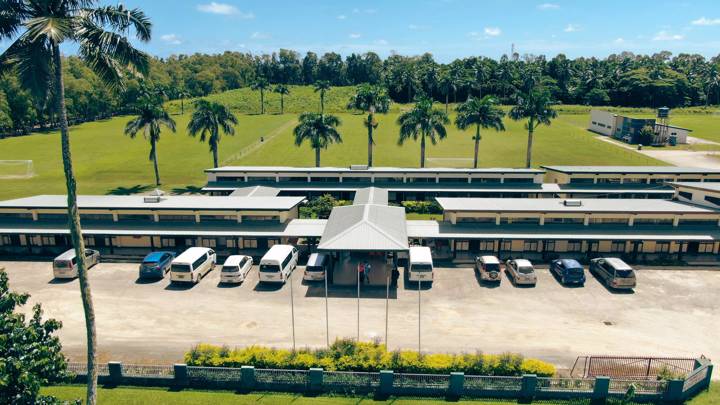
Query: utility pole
(358, 303)
(292, 310)
(327, 316)
(419, 312)
(387, 303)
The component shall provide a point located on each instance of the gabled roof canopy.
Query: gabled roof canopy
(367, 227)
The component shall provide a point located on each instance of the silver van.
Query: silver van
(66, 265)
(614, 272)
(317, 267)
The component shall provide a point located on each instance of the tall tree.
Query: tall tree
(483, 113)
(321, 86)
(282, 90)
(423, 121)
(35, 57)
(182, 95)
(261, 84)
(445, 84)
(208, 120)
(535, 106)
(152, 116)
(372, 100)
(318, 129)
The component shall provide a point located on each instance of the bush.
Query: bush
(422, 207)
(348, 355)
(321, 207)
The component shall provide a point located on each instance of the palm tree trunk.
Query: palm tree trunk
(75, 230)
(477, 146)
(182, 106)
(370, 140)
(528, 159)
(262, 101)
(447, 99)
(282, 104)
(153, 153)
(322, 103)
(215, 155)
(317, 157)
(422, 151)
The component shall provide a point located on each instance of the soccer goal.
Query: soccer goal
(449, 162)
(16, 169)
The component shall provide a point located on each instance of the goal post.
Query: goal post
(16, 169)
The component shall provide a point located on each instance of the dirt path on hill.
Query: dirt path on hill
(253, 147)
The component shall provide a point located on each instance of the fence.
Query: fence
(631, 367)
(387, 383)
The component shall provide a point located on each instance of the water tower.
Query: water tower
(661, 125)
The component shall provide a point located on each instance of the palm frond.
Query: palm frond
(32, 60)
(98, 47)
(12, 15)
(120, 19)
(55, 29)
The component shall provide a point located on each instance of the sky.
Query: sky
(448, 29)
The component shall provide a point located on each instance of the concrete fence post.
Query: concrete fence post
(180, 375)
(601, 390)
(528, 387)
(674, 391)
(115, 370)
(708, 378)
(455, 387)
(247, 377)
(386, 382)
(316, 379)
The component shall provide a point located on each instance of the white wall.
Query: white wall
(602, 122)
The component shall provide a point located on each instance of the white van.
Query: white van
(420, 264)
(192, 264)
(278, 263)
(317, 267)
(66, 265)
(235, 269)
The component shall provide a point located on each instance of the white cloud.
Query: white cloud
(381, 42)
(171, 39)
(364, 11)
(572, 28)
(259, 35)
(354, 35)
(548, 6)
(706, 21)
(223, 9)
(492, 31)
(619, 40)
(666, 36)
(341, 17)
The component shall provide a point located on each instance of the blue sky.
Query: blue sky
(446, 28)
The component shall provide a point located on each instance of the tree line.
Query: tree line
(624, 79)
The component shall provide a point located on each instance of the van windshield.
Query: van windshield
(269, 268)
(525, 270)
(62, 264)
(230, 269)
(575, 270)
(421, 267)
(492, 267)
(180, 268)
(314, 268)
(626, 273)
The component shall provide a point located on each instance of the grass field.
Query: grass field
(140, 396)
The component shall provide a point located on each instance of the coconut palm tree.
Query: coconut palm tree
(372, 100)
(282, 90)
(208, 120)
(37, 29)
(536, 107)
(321, 86)
(318, 129)
(423, 121)
(261, 84)
(152, 116)
(481, 112)
(182, 94)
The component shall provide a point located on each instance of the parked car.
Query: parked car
(278, 263)
(66, 265)
(235, 269)
(521, 271)
(569, 271)
(156, 264)
(488, 267)
(192, 265)
(318, 265)
(614, 272)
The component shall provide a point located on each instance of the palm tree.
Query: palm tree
(182, 94)
(445, 84)
(319, 129)
(152, 116)
(261, 84)
(35, 59)
(423, 121)
(208, 119)
(282, 90)
(535, 106)
(322, 86)
(481, 112)
(371, 99)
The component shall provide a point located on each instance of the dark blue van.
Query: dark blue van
(156, 264)
(569, 271)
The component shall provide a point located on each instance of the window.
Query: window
(530, 245)
(230, 243)
(261, 218)
(574, 246)
(507, 245)
(177, 218)
(272, 242)
(167, 242)
(208, 242)
(552, 220)
(486, 245)
(463, 245)
(197, 263)
(52, 217)
(606, 221)
(685, 195)
(90, 241)
(653, 221)
(487, 220)
(617, 246)
(714, 200)
(135, 217)
(706, 247)
(48, 240)
(249, 243)
(286, 261)
(662, 247)
(549, 246)
(96, 217)
(217, 218)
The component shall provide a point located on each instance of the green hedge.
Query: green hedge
(422, 207)
(347, 355)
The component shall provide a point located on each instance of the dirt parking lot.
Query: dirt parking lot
(670, 313)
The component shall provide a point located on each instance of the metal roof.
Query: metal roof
(137, 202)
(697, 185)
(415, 170)
(587, 205)
(367, 227)
(631, 169)
(255, 191)
(371, 195)
(446, 230)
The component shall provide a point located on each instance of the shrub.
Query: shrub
(348, 355)
(422, 207)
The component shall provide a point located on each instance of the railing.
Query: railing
(630, 367)
(384, 383)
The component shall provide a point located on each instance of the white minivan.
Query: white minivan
(66, 265)
(420, 264)
(318, 265)
(192, 264)
(278, 263)
(235, 269)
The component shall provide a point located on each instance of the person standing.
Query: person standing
(361, 272)
(367, 272)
